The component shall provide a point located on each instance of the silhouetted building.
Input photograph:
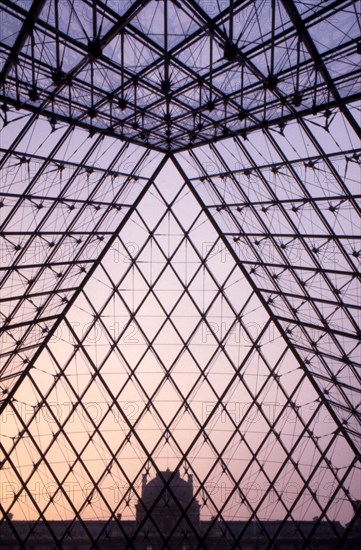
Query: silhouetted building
(168, 507)
(168, 518)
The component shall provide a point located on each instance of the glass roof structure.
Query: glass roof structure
(179, 279)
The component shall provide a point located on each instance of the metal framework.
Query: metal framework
(180, 251)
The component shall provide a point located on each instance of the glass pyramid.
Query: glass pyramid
(180, 298)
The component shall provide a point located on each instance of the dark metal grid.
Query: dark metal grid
(167, 430)
(176, 99)
(297, 292)
(291, 343)
(146, 77)
(34, 266)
